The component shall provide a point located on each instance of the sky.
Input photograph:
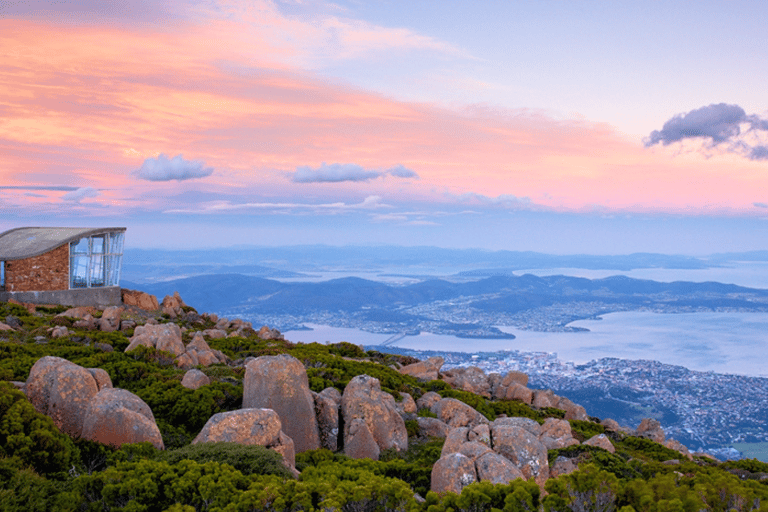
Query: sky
(603, 127)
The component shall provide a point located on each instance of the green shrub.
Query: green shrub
(583, 430)
(249, 460)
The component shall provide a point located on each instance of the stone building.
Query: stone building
(69, 266)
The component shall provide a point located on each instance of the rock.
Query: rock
(363, 399)
(432, 427)
(600, 441)
(474, 450)
(88, 322)
(406, 406)
(516, 391)
(480, 433)
(457, 414)
(78, 312)
(207, 358)
(171, 306)
(186, 360)
(454, 440)
(528, 424)
(513, 386)
(215, 334)
(424, 370)
(359, 442)
(562, 466)
(572, 411)
(515, 377)
(222, 324)
(265, 333)
(679, 447)
(127, 325)
(59, 331)
(471, 379)
(452, 473)
(496, 469)
(198, 343)
(427, 400)
(249, 427)
(611, 425)
(165, 337)
(116, 417)
(104, 347)
(543, 399)
(110, 319)
(556, 433)
(523, 449)
(195, 379)
(280, 383)
(651, 429)
(6, 327)
(101, 377)
(139, 299)
(62, 390)
(327, 408)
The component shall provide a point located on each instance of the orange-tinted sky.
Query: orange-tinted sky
(276, 116)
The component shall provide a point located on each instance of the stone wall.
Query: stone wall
(49, 271)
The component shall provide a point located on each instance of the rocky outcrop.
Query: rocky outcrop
(280, 383)
(359, 442)
(5, 327)
(63, 391)
(471, 379)
(679, 447)
(165, 337)
(172, 306)
(249, 426)
(406, 406)
(432, 427)
(455, 413)
(116, 417)
(452, 473)
(265, 333)
(496, 469)
(600, 441)
(651, 429)
(557, 433)
(562, 466)
(195, 379)
(110, 319)
(139, 299)
(523, 449)
(427, 400)
(363, 399)
(327, 409)
(424, 370)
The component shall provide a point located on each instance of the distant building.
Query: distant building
(69, 266)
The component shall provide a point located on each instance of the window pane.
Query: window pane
(97, 244)
(116, 243)
(79, 246)
(78, 271)
(113, 278)
(97, 270)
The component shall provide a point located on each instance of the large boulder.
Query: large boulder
(424, 370)
(140, 300)
(496, 469)
(62, 390)
(364, 399)
(110, 319)
(557, 433)
(651, 429)
(327, 408)
(451, 473)
(600, 441)
(427, 400)
(471, 379)
(248, 427)
(432, 427)
(195, 379)
(523, 449)
(359, 442)
(456, 413)
(165, 337)
(280, 383)
(116, 417)
(572, 411)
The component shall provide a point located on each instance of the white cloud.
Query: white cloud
(369, 203)
(163, 169)
(335, 173)
(78, 195)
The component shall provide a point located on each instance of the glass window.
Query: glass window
(95, 261)
(79, 246)
(2, 274)
(97, 244)
(78, 271)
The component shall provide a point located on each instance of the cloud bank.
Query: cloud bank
(81, 193)
(720, 123)
(335, 173)
(163, 169)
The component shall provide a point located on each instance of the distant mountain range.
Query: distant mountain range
(450, 307)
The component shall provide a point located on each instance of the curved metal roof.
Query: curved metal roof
(20, 243)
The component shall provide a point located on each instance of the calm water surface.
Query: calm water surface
(721, 342)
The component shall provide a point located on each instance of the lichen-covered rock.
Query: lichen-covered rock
(101, 377)
(327, 408)
(195, 379)
(572, 411)
(451, 473)
(116, 417)
(517, 391)
(171, 306)
(61, 390)
(523, 449)
(496, 469)
(454, 440)
(600, 441)
(557, 433)
(359, 442)
(280, 383)
(457, 414)
(543, 398)
(679, 447)
(474, 450)
(509, 385)
(480, 433)
(140, 300)
(432, 427)
(406, 405)
(110, 319)
(471, 379)
(165, 337)
(244, 426)
(364, 399)
(562, 466)
(528, 424)
(651, 429)
(5, 327)
(427, 400)
(424, 370)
